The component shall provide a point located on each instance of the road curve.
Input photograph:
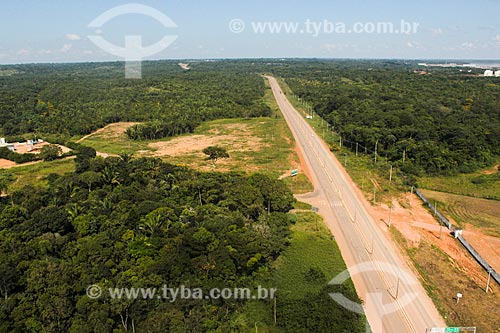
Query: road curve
(394, 300)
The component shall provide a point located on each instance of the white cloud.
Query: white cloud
(98, 31)
(437, 32)
(66, 48)
(497, 40)
(73, 37)
(329, 46)
(88, 52)
(468, 45)
(413, 44)
(337, 47)
(23, 52)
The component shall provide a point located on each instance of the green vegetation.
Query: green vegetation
(299, 184)
(439, 124)
(80, 98)
(15, 157)
(113, 140)
(121, 222)
(482, 184)
(215, 153)
(50, 152)
(372, 178)
(301, 275)
(36, 174)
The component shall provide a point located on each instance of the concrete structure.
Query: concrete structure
(488, 72)
(4, 144)
(497, 73)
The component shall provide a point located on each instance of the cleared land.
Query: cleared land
(254, 145)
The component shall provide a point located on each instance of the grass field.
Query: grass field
(481, 213)
(481, 184)
(36, 174)
(443, 278)
(312, 246)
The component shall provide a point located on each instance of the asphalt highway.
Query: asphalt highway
(394, 301)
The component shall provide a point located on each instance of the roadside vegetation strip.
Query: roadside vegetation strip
(483, 184)
(301, 275)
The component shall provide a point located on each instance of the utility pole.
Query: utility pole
(275, 316)
(390, 175)
(411, 197)
(390, 216)
(376, 146)
(357, 149)
(341, 142)
(489, 279)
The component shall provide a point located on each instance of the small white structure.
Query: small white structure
(4, 144)
(497, 73)
(488, 73)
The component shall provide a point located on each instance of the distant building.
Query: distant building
(488, 73)
(497, 73)
(4, 144)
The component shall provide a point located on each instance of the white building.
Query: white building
(4, 144)
(488, 73)
(497, 73)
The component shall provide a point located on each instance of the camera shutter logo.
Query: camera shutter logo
(133, 52)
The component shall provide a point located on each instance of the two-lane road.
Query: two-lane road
(394, 300)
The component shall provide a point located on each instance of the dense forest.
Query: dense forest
(122, 222)
(444, 122)
(76, 99)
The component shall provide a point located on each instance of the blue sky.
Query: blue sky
(57, 30)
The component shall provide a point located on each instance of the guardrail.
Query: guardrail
(460, 238)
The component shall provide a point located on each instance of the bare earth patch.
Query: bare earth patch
(417, 224)
(239, 140)
(194, 144)
(492, 171)
(6, 163)
(114, 130)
